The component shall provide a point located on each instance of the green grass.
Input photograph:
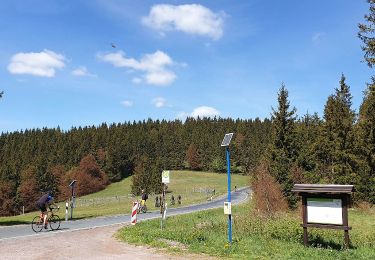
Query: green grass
(103, 203)
(254, 238)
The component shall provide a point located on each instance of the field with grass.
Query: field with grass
(254, 238)
(116, 199)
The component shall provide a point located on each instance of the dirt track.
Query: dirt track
(97, 243)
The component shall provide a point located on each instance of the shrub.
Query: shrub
(267, 192)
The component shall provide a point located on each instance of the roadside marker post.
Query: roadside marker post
(66, 210)
(227, 205)
(134, 213)
(72, 203)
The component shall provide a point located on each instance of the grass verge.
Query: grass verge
(254, 238)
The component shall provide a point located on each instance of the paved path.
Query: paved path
(13, 232)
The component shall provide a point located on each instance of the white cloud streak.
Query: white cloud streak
(154, 65)
(188, 18)
(41, 64)
(127, 103)
(82, 71)
(159, 102)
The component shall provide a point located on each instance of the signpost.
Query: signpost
(227, 205)
(72, 203)
(163, 211)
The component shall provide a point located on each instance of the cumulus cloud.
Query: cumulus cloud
(188, 18)
(127, 103)
(159, 102)
(202, 111)
(154, 65)
(82, 71)
(41, 64)
(205, 111)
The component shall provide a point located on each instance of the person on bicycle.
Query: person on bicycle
(42, 203)
(144, 197)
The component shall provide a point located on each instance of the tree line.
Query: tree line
(39, 160)
(337, 148)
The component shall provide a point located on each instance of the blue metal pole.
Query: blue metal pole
(229, 199)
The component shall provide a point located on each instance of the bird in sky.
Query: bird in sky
(113, 45)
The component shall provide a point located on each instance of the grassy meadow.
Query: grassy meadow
(117, 199)
(254, 238)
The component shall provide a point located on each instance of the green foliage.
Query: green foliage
(283, 149)
(366, 145)
(366, 34)
(335, 148)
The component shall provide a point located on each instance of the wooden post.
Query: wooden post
(304, 219)
(345, 202)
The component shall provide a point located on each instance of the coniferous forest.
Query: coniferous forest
(337, 147)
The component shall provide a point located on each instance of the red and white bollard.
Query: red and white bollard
(134, 213)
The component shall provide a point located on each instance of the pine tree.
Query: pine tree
(366, 34)
(335, 149)
(366, 145)
(283, 150)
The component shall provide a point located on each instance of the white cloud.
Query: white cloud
(154, 65)
(205, 111)
(82, 71)
(188, 18)
(159, 102)
(127, 103)
(41, 64)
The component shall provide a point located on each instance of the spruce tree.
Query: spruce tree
(366, 145)
(335, 148)
(366, 34)
(283, 150)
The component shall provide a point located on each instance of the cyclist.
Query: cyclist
(144, 197)
(42, 203)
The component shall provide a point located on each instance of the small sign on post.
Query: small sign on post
(227, 208)
(165, 177)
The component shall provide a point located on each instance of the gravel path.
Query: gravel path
(96, 243)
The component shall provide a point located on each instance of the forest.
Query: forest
(338, 148)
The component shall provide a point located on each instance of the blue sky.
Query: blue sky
(78, 63)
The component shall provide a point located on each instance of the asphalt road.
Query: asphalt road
(12, 232)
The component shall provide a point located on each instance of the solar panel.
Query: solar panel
(227, 139)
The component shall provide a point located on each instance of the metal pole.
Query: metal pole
(229, 199)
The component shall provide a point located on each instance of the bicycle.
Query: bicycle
(53, 220)
(141, 208)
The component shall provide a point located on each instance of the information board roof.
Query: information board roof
(322, 188)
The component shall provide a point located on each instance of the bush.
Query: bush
(268, 196)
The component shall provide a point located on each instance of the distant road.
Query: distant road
(13, 232)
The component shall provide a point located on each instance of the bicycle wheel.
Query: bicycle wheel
(54, 222)
(144, 209)
(37, 224)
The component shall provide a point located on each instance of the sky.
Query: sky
(85, 62)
